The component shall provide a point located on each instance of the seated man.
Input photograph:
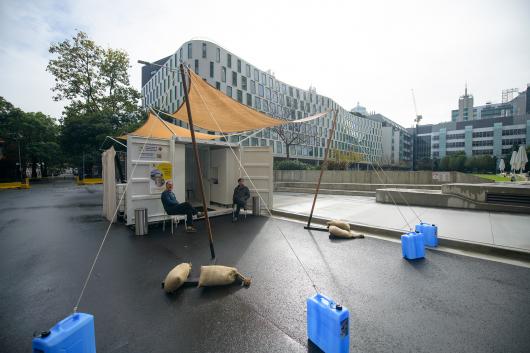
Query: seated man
(173, 207)
(241, 195)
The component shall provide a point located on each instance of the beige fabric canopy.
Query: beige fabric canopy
(155, 128)
(214, 111)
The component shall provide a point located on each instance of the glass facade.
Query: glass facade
(272, 97)
(494, 136)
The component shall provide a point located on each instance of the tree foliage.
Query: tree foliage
(461, 163)
(92, 79)
(100, 99)
(37, 135)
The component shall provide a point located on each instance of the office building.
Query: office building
(494, 133)
(261, 90)
(396, 142)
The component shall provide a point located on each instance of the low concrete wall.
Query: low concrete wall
(370, 177)
(437, 198)
(479, 192)
(350, 186)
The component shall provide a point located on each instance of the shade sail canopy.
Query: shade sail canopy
(154, 127)
(214, 111)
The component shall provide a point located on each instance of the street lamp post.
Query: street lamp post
(19, 160)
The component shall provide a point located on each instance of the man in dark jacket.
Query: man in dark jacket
(173, 207)
(241, 195)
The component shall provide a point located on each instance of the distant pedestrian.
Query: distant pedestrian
(241, 195)
(173, 207)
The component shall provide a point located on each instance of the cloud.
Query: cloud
(373, 52)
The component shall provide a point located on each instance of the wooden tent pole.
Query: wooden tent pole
(324, 164)
(197, 161)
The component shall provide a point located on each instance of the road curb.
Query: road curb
(452, 243)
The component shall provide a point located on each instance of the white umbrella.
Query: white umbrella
(517, 161)
(522, 158)
(512, 160)
(501, 165)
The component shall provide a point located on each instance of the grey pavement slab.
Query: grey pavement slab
(496, 228)
(49, 236)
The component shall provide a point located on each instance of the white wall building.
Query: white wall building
(261, 90)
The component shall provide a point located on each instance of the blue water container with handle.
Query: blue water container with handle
(430, 233)
(328, 324)
(74, 334)
(413, 245)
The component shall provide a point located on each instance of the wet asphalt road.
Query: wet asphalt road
(50, 234)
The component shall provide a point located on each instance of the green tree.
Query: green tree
(100, 99)
(82, 135)
(457, 162)
(444, 163)
(36, 134)
(92, 79)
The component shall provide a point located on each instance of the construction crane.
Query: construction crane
(418, 117)
(417, 120)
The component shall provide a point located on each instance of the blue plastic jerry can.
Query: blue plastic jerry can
(328, 324)
(430, 232)
(74, 334)
(413, 245)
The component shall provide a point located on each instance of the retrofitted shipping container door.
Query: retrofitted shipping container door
(160, 160)
(258, 163)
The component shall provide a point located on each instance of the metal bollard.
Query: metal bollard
(256, 206)
(141, 224)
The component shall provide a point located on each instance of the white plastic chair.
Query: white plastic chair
(176, 218)
(243, 211)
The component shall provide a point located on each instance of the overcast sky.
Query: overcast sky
(369, 51)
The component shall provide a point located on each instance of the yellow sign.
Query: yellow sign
(159, 174)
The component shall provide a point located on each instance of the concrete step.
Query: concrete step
(326, 191)
(437, 198)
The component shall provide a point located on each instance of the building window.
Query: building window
(268, 93)
(218, 55)
(211, 69)
(229, 60)
(238, 65)
(261, 90)
(244, 82)
(256, 75)
(249, 99)
(248, 70)
(257, 102)
(252, 87)
(196, 66)
(229, 91)
(223, 74)
(218, 85)
(189, 51)
(204, 50)
(234, 78)
(239, 96)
